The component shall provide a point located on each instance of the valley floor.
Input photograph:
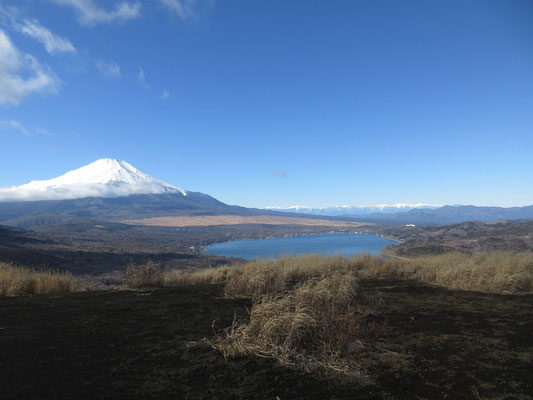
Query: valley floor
(148, 345)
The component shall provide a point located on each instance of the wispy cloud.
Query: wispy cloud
(42, 131)
(188, 9)
(281, 173)
(13, 125)
(142, 80)
(8, 14)
(165, 95)
(90, 13)
(52, 43)
(108, 68)
(21, 74)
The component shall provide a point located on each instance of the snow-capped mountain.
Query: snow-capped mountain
(103, 178)
(354, 210)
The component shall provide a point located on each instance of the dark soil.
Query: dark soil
(148, 345)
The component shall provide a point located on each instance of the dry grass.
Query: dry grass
(17, 281)
(141, 276)
(495, 272)
(272, 277)
(309, 311)
(306, 311)
(210, 220)
(203, 276)
(318, 322)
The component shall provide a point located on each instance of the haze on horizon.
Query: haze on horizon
(276, 103)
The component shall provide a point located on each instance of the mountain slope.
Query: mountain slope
(106, 189)
(103, 178)
(34, 213)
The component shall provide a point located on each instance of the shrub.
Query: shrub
(147, 275)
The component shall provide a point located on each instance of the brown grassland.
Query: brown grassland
(16, 281)
(497, 272)
(237, 219)
(308, 311)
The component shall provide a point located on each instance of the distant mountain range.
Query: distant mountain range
(419, 213)
(114, 190)
(456, 214)
(354, 210)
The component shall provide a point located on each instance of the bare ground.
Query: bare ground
(441, 344)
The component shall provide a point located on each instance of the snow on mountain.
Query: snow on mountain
(103, 178)
(353, 210)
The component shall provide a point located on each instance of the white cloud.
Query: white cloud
(281, 173)
(91, 14)
(142, 80)
(187, 9)
(165, 95)
(7, 14)
(42, 131)
(183, 8)
(14, 126)
(21, 74)
(108, 68)
(52, 43)
(39, 190)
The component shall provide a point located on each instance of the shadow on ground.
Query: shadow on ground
(148, 345)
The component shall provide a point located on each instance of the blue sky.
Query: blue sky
(261, 103)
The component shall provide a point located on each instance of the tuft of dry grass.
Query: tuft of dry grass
(318, 322)
(17, 281)
(200, 277)
(141, 276)
(271, 277)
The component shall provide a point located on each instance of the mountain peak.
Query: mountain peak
(105, 171)
(106, 177)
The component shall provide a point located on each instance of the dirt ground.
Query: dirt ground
(440, 344)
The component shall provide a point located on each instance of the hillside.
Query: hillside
(150, 345)
(44, 212)
(465, 236)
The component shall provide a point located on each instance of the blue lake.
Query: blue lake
(343, 244)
